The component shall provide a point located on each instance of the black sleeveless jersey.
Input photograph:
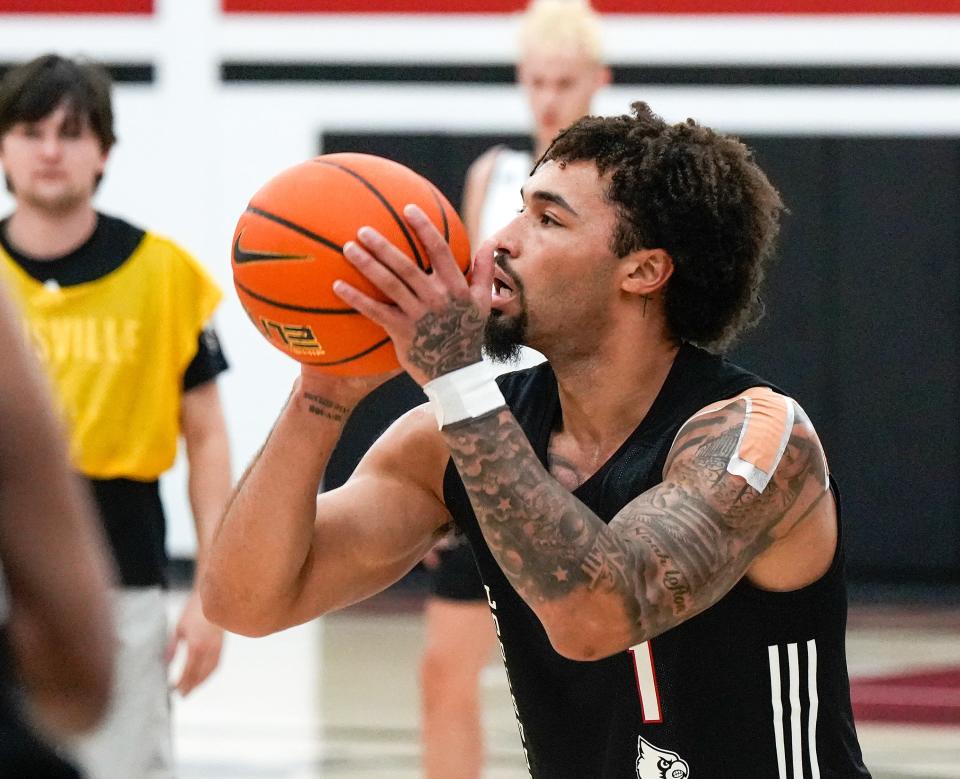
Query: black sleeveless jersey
(755, 687)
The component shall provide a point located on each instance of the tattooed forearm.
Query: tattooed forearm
(448, 340)
(542, 536)
(667, 555)
(323, 407)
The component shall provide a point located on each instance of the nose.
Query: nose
(507, 249)
(506, 241)
(553, 98)
(51, 146)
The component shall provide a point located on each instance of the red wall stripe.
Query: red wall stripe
(76, 6)
(502, 6)
(606, 6)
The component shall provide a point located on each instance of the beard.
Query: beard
(59, 204)
(503, 336)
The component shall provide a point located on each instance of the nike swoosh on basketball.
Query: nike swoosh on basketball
(241, 255)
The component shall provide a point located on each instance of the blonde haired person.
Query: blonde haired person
(559, 69)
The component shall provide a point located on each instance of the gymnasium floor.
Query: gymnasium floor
(337, 699)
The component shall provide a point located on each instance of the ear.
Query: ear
(646, 271)
(104, 156)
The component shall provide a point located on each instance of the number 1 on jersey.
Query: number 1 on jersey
(646, 682)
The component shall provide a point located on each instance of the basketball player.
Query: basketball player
(56, 634)
(559, 69)
(656, 528)
(117, 315)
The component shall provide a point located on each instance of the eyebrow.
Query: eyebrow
(550, 197)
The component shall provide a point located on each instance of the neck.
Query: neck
(606, 394)
(45, 235)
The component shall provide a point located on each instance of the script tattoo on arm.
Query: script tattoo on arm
(447, 340)
(667, 555)
(326, 408)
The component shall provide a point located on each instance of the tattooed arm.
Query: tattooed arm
(669, 554)
(282, 555)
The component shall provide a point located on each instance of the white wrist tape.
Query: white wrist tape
(466, 393)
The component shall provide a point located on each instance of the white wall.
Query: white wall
(192, 151)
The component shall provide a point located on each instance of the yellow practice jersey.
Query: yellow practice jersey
(116, 349)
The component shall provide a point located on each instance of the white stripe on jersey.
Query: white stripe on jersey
(814, 705)
(776, 701)
(793, 663)
(795, 711)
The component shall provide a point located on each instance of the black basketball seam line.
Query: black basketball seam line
(443, 213)
(386, 204)
(364, 353)
(296, 228)
(291, 306)
(446, 225)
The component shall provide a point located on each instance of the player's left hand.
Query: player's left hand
(203, 642)
(436, 320)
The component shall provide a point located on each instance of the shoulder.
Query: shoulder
(418, 426)
(480, 169)
(519, 383)
(754, 435)
(154, 243)
(172, 258)
(475, 190)
(411, 449)
(165, 247)
(118, 228)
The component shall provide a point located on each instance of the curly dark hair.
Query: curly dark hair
(699, 196)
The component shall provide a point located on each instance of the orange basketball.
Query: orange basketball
(288, 251)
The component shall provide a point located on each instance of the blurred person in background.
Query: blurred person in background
(120, 319)
(560, 68)
(57, 643)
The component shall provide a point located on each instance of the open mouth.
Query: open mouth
(503, 290)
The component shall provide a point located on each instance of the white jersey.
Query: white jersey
(501, 203)
(501, 200)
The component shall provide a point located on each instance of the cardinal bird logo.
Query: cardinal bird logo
(656, 763)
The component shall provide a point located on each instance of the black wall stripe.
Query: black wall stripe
(671, 75)
(120, 72)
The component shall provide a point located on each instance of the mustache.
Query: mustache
(502, 259)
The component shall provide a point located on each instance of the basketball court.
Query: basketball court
(852, 105)
(337, 699)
